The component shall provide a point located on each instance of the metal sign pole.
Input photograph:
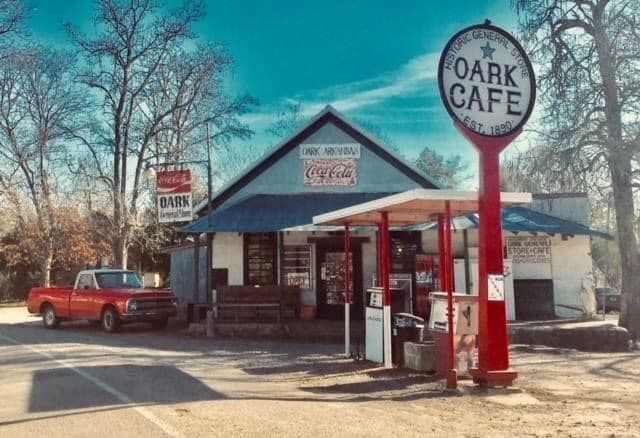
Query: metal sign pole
(493, 337)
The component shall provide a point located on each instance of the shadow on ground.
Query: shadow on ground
(51, 389)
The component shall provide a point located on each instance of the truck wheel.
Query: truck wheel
(160, 324)
(49, 317)
(110, 320)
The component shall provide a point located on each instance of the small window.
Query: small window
(85, 281)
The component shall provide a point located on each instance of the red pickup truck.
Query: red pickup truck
(109, 297)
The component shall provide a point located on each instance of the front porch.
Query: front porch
(316, 330)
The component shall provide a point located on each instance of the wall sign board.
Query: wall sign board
(330, 172)
(529, 249)
(174, 196)
(330, 151)
(486, 81)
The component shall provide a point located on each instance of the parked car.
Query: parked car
(607, 298)
(109, 297)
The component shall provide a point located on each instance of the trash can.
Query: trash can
(406, 328)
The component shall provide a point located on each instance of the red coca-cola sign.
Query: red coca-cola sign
(174, 181)
(330, 172)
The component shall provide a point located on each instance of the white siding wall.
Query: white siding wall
(571, 268)
(227, 253)
(572, 274)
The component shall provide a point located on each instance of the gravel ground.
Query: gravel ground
(167, 384)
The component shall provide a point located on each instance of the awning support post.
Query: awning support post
(385, 265)
(452, 375)
(347, 290)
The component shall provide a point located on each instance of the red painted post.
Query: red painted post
(493, 338)
(443, 261)
(384, 243)
(347, 273)
(452, 375)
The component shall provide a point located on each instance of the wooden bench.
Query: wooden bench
(254, 301)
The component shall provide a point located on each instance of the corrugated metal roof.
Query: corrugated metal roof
(520, 219)
(264, 213)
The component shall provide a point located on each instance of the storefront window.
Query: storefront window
(260, 258)
(296, 266)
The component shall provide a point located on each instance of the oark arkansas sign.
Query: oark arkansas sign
(486, 81)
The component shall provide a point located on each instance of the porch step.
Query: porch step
(308, 331)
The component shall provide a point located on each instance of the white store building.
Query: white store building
(262, 233)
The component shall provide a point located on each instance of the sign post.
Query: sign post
(487, 85)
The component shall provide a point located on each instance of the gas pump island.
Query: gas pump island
(488, 87)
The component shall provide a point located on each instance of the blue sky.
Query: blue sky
(374, 60)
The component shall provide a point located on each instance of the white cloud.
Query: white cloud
(405, 81)
(409, 80)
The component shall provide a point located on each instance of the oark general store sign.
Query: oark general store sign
(174, 196)
(330, 164)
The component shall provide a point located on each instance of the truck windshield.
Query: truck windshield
(114, 280)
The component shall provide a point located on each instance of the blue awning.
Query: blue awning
(266, 213)
(520, 219)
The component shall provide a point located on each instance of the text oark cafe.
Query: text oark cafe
(262, 234)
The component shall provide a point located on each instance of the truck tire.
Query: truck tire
(49, 317)
(110, 320)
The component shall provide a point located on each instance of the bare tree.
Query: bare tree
(189, 85)
(287, 120)
(39, 108)
(158, 100)
(449, 171)
(132, 41)
(12, 16)
(589, 55)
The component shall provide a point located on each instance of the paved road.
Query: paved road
(78, 381)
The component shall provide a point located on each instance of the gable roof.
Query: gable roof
(328, 114)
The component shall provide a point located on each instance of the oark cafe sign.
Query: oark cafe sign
(486, 81)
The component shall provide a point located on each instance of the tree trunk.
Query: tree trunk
(47, 263)
(620, 164)
(621, 178)
(120, 249)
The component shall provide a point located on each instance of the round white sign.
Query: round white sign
(486, 81)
